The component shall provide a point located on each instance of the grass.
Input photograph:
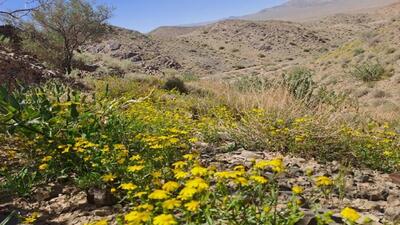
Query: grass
(137, 141)
(369, 71)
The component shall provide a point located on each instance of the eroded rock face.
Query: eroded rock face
(24, 68)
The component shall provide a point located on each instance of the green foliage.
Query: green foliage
(251, 83)
(358, 51)
(299, 83)
(4, 40)
(369, 71)
(8, 218)
(177, 84)
(63, 26)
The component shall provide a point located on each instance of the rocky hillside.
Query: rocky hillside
(332, 47)
(304, 10)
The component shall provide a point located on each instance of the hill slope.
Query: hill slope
(303, 10)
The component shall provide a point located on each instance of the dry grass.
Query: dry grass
(278, 102)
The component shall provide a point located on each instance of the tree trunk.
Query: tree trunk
(68, 62)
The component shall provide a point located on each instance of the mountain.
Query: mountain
(305, 10)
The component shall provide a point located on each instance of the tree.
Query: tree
(64, 25)
(19, 13)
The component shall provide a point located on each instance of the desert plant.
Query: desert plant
(4, 40)
(177, 84)
(299, 83)
(368, 71)
(358, 51)
(251, 83)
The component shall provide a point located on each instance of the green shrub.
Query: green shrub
(369, 71)
(177, 84)
(358, 51)
(251, 83)
(4, 41)
(299, 83)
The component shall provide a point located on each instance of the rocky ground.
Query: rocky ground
(375, 195)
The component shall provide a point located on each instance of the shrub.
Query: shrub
(261, 55)
(368, 71)
(177, 84)
(251, 83)
(299, 83)
(358, 51)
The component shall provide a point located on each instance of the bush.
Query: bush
(299, 83)
(368, 71)
(251, 83)
(177, 84)
(358, 51)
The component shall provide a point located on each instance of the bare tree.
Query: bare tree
(19, 13)
(65, 25)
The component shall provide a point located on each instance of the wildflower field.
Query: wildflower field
(141, 144)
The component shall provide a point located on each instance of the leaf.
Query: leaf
(74, 111)
(8, 219)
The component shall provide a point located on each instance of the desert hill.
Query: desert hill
(304, 10)
(331, 47)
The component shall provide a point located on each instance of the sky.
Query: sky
(146, 15)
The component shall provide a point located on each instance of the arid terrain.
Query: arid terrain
(330, 46)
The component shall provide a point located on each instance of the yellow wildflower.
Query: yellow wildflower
(170, 186)
(140, 194)
(322, 181)
(350, 214)
(199, 171)
(128, 186)
(47, 158)
(136, 217)
(156, 174)
(171, 204)
(146, 207)
(187, 193)
(179, 164)
(164, 219)
(100, 222)
(179, 174)
(135, 158)
(297, 190)
(189, 157)
(242, 181)
(133, 169)
(192, 206)
(159, 194)
(32, 218)
(259, 179)
(108, 177)
(197, 183)
(44, 166)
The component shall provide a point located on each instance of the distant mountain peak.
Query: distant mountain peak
(307, 3)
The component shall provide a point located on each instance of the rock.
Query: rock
(308, 219)
(395, 178)
(392, 212)
(100, 197)
(114, 46)
(47, 192)
(365, 205)
(102, 212)
(249, 155)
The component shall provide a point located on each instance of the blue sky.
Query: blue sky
(146, 15)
